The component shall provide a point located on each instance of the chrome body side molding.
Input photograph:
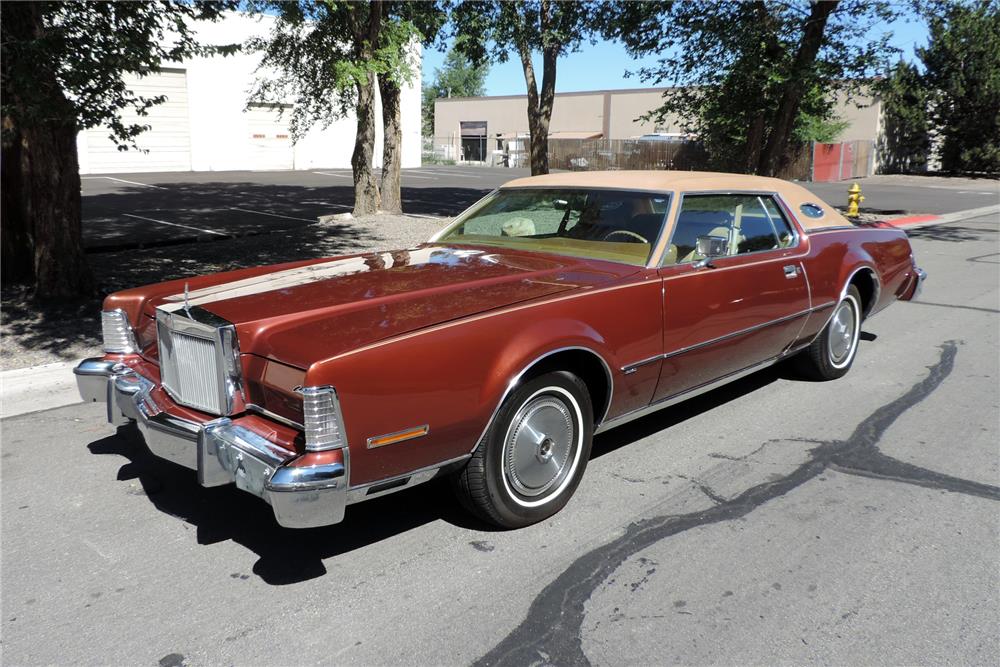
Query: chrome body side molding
(674, 399)
(631, 368)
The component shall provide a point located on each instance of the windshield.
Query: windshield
(614, 225)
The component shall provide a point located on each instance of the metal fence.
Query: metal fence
(591, 154)
(819, 162)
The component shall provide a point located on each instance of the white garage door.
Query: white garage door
(270, 140)
(168, 141)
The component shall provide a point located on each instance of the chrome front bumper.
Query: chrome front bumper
(222, 452)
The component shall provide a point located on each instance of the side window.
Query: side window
(743, 223)
(786, 236)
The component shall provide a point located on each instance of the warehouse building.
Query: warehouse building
(481, 129)
(205, 124)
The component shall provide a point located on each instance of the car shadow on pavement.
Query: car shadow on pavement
(288, 556)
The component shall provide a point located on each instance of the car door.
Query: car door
(729, 312)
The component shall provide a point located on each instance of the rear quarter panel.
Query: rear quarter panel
(836, 254)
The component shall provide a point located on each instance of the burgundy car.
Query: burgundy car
(555, 308)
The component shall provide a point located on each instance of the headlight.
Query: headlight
(323, 422)
(118, 336)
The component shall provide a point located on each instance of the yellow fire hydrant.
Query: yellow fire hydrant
(854, 199)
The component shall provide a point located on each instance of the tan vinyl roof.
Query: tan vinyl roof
(794, 195)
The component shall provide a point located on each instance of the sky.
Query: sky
(603, 66)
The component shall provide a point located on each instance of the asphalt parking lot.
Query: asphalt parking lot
(774, 521)
(126, 210)
(120, 210)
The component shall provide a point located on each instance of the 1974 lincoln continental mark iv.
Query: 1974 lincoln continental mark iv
(555, 308)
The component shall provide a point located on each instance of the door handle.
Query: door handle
(792, 270)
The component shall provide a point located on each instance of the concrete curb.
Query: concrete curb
(921, 220)
(26, 390)
(44, 387)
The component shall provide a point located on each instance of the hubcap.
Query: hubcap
(842, 333)
(539, 447)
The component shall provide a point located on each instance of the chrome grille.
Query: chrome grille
(198, 366)
(190, 372)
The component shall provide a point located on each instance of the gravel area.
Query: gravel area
(34, 334)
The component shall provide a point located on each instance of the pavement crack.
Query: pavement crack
(552, 626)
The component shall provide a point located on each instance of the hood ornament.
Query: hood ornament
(187, 305)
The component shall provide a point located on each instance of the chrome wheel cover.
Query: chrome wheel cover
(843, 333)
(540, 447)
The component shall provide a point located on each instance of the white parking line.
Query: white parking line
(407, 174)
(121, 180)
(174, 224)
(330, 173)
(448, 173)
(325, 203)
(273, 215)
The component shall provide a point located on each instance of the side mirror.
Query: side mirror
(712, 246)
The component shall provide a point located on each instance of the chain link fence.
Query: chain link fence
(850, 159)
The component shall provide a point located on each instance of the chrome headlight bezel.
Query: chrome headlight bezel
(116, 333)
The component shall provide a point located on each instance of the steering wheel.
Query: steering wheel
(625, 232)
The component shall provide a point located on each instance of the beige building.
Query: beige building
(476, 129)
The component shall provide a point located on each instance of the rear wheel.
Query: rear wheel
(832, 353)
(533, 456)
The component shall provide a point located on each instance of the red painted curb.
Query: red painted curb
(912, 220)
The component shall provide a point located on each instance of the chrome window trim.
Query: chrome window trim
(651, 260)
(198, 322)
(796, 231)
(517, 379)
(630, 368)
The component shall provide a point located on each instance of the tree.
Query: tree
(490, 30)
(751, 79)
(406, 22)
(457, 78)
(962, 71)
(329, 57)
(905, 139)
(62, 65)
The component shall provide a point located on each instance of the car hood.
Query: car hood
(313, 311)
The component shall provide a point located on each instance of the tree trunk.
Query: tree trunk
(53, 176)
(784, 120)
(48, 185)
(392, 138)
(539, 105)
(366, 26)
(16, 232)
(366, 194)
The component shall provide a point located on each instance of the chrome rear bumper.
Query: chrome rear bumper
(912, 291)
(222, 452)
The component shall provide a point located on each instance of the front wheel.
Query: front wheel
(831, 355)
(533, 456)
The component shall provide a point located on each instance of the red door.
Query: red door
(738, 310)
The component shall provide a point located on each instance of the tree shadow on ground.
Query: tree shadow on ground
(196, 211)
(287, 556)
(36, 332)
(950, 233)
